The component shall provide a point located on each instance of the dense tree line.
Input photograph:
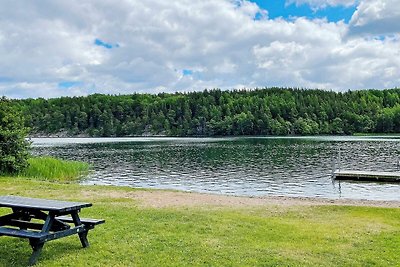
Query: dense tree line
(273, 111)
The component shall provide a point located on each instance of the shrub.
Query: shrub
(14, 148)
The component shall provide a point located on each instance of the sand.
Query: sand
(164, 198)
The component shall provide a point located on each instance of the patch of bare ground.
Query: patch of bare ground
(165, 199)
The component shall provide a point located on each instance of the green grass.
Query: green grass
(135, 235)
(52, 169)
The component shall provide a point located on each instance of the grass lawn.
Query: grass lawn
(268, 235)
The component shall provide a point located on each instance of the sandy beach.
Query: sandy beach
(165, 198)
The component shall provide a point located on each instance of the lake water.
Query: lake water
(258, 166)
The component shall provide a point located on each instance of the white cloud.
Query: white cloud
(44, 43)
(376, 17)
(321, 4)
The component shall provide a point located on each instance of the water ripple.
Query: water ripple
(234, 166)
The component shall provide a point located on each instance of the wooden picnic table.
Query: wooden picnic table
(57, 219)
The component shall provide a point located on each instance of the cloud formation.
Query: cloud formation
(53, 48)
(320, 4)
(376, 17)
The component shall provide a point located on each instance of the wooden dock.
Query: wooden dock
(366, 176)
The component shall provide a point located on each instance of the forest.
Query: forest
(268, 111)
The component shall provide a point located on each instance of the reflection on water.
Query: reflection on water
(236, 166)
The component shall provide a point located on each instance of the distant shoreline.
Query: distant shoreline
(86, 136)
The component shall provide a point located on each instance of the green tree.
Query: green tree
(278, 111)
(337, 126)
(14, 147)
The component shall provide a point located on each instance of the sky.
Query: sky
(52, 48)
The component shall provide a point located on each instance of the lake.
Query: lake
(243, 166)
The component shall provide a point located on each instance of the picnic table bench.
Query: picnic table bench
(43, 220)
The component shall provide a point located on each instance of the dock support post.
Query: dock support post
(333, 160)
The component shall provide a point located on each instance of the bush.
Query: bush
(14, 148)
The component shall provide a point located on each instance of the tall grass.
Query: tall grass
(52, 169)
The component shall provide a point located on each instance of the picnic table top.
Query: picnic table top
(41, 204)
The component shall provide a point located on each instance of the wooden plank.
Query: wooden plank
(6, 219)
(26, 225)
(367, 175)
(41, 204)
(60, 234)
(40, 235)
(21, 233)
(83, 220)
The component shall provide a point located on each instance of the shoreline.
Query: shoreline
(171, 198)
(166, 198)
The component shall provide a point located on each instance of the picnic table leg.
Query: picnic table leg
(37, 248)
(82, 235)
(83, 239)
(38, 245)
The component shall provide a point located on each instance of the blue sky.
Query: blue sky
(99, 42)
(58, 48)
(279, 8)
(69, 84)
